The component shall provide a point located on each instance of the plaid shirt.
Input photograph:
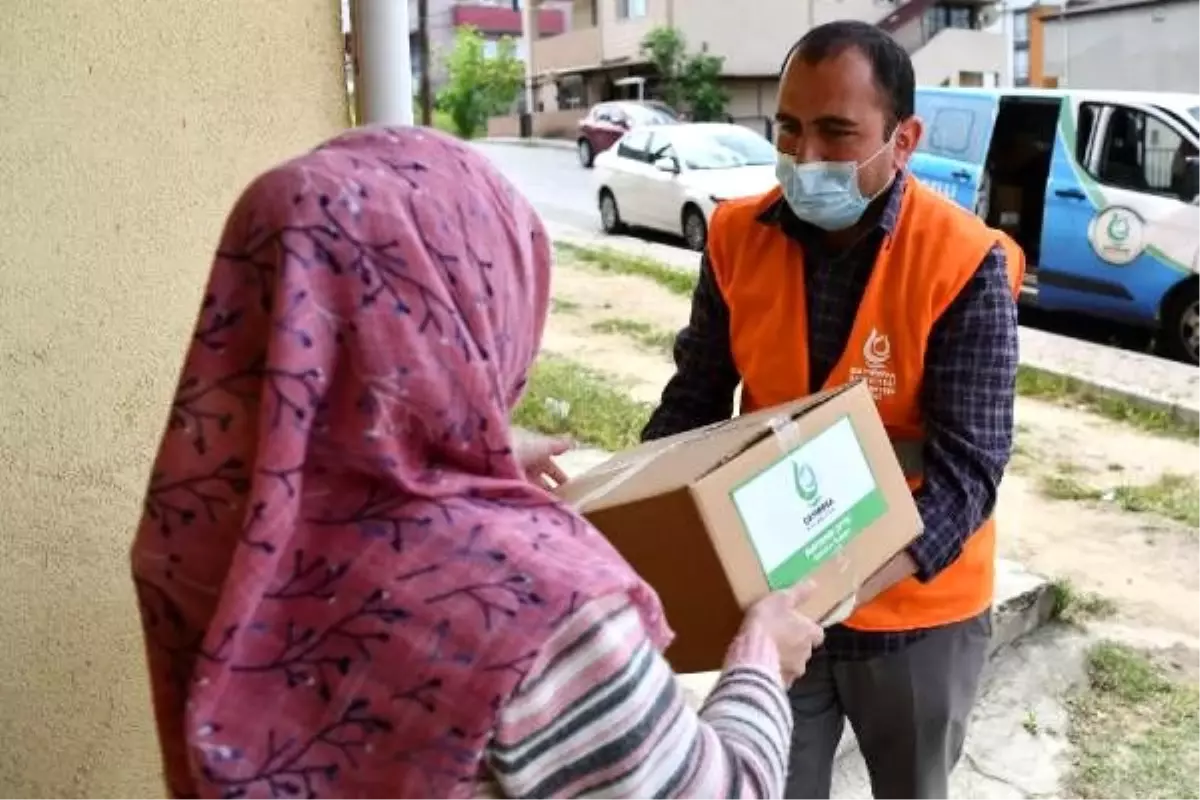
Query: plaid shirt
(967, 392)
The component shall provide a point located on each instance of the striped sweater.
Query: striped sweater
(601, 715)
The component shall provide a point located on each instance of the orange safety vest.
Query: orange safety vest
(921, 267)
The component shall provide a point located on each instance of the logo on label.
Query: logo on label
(877, 353)
(1117, 235)
(819, 508)
(806, 482)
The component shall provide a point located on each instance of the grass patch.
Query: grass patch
(676, 281)
(1176, 497)
(565, 398)
(1172, 496)
(1036, 383)
(1074, 606)
(1134, 728)
(559, 306)
(1066, 487)
(645, 334)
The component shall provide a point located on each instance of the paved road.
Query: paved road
(560, 189)
(564, 192)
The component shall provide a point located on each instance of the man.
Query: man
(852, 269)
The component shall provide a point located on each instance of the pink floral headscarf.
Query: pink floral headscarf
(341, 571)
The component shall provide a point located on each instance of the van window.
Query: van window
(957, 129)
(1142, 153)
(1083, 131)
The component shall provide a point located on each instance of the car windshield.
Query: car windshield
(650, 115)
(723, 149)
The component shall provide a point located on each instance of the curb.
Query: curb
(516, 141)
(1101, 388)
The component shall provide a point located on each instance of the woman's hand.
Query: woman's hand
(795, 635)
(535, 452)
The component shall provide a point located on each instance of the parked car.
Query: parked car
(671, 177)
(607, 122)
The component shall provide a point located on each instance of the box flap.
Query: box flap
(671, 463)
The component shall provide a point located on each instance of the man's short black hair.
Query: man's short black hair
(890, 64)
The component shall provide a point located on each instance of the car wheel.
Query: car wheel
(610, 215)
(695, 229)
(586, 154)
(1180, 333)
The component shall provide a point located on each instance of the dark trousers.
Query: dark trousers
(908, 709)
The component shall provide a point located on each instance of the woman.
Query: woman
(349, 585)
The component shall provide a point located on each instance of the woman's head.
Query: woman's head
(414, 273)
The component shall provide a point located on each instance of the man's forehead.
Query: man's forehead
(841, 85)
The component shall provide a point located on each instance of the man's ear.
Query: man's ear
(908, 136)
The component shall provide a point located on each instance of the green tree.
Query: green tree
(690, 81)
(479, 86)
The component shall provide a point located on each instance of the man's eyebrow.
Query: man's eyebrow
(781, 116)
(834, 121)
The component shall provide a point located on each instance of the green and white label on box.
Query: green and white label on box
(807, 506)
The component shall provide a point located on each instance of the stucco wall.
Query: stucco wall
(128, 130)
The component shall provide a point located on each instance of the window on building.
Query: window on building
(1142, 153)
(631, 9)
(944, 15)
(1020, 21)
(1021, 67)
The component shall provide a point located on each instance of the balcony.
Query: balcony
(568, 52)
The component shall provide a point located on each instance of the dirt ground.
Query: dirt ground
(1144, 563)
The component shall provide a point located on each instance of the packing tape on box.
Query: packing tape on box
(623, 472)
(787, 434)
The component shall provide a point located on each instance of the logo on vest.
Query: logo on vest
(877, 355)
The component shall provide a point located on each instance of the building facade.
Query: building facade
(601, 46)
(494, 19)
(1137, 45)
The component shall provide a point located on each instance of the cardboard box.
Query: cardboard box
(714, 519)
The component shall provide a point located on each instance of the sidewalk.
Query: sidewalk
(1145, 380)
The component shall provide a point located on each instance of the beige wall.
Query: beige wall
(754, 39)
(623, 37)
(128, 130)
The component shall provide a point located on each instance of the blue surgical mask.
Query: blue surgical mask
(825, 193)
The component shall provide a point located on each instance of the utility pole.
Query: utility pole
(426, 62)
(384, 83)
(528, 34)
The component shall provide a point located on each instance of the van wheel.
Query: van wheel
(1180, 332)
(695, 229)
(610, 215)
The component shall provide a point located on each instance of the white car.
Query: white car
(671, 177)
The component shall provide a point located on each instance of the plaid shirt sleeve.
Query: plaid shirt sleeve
(968, 395)
(701, 390)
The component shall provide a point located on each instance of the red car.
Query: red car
(607, 122)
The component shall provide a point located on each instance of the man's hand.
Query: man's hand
(901, 566)
(535, 452)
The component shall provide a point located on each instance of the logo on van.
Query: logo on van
(1117, 235)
